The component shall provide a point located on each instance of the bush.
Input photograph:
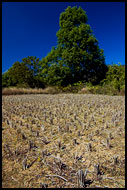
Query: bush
(23, 85)
(50, 90)
(115, 76)
(74, 88)
(106, 89)
(122, 91)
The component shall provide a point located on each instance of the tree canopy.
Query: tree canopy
(17, 74)
(24, 74)
(115, 76)
(77, 50)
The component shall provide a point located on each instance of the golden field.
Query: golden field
(47, 139)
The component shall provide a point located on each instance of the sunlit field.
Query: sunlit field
(63, 141)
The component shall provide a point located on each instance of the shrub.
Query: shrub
(50, 90)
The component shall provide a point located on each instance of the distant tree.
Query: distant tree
(33, 64)
(115, 76)
(24, 74)
(19, 74)
(77, 50)
(6, 81)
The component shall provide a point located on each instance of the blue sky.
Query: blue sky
(29, 28)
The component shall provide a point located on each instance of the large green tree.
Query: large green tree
(77, 49)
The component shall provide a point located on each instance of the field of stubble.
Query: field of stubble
(64, 140)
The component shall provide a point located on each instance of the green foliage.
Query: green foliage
(115, 76)
(5, 80)
(72, 88)
(22, 85)
(17, 74)
(20, 74)
(57, 75)
(25, 74)
(77, 50)
(33, 64)
(53, 71)
(113, 84)
(107, 89)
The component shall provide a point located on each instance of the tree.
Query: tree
(19, 74)
(33, 64)
(115, 76)
(24, 74)
(54, 72)
(6, 81)
(77, 48)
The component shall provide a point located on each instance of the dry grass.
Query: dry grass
(15, 91)
(54, 134)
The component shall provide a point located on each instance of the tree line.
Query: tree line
(77, 57)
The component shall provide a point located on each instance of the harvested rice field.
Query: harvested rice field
(63, 141)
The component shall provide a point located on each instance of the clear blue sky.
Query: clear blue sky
(29, 28)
